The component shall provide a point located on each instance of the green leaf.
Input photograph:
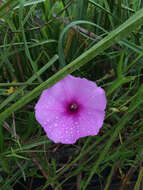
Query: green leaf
(123, 30)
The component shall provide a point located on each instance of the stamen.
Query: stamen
(73, 107)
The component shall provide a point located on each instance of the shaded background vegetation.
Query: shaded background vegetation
(41, 41)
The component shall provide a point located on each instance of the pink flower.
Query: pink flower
(71, 109)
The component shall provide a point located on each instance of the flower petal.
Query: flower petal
(90, 122)
(61, 131)
(96, 99)
(51, 99)
(60, 126)
(85, 91)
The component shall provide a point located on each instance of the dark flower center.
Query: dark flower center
(73, 107)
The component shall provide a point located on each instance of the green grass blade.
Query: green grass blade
(118, 127)
(60, 44)
(29, 81)
(25, 41)
(127, 27)
(139, 180)
(6, 7)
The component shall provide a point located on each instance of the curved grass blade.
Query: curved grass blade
(6, 7)
(60, 44)
(118, 127)
(29, 81)
(123, 30)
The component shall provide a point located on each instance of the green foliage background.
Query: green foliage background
(42, 41)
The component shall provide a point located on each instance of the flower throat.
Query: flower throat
(73, 107)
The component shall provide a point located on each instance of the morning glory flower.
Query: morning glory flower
(71, 109)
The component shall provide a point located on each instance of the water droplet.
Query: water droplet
(88, 130)
(77, 131)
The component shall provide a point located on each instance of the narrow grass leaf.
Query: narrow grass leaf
(139, 180)
(122, 31)
(29, 81)
(131, 112)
